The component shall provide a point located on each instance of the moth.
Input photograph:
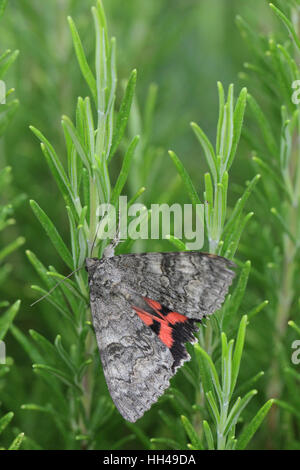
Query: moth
(145, 308)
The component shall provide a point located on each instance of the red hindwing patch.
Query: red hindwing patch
(172, 328)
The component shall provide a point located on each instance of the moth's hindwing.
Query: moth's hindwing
(172, 328)
(144, 307)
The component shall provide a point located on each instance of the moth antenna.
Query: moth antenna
(95, 238)
(116, 238)
(56, 285)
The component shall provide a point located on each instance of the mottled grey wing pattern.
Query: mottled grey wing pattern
(192, 283)
(137, 365)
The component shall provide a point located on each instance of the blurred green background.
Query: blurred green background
(185, 47)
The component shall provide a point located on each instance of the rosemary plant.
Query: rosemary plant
(7, 110)
(222, 398)
(71, 365)
(216, 400)
(276, 154)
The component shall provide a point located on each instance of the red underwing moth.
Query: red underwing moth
(145, 308)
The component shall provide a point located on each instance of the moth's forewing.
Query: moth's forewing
(137, 360)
